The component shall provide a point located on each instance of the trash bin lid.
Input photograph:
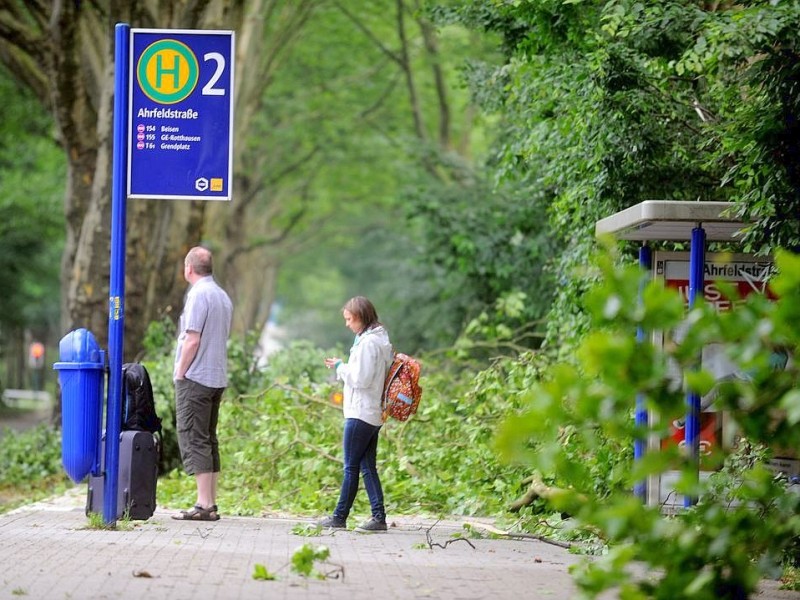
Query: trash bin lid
(79, 346)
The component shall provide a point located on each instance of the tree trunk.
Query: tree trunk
(65, 53)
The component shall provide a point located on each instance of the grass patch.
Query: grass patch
(96, 521)
(790, 579)
(14, 496)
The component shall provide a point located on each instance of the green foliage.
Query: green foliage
(260, 573)
(307, 530)
(160, 337)
(480, 245)
(30, 466)
(280, 443)
(746, 519)
(602, 104)
(791, 578)
(30, 455)
(31, 217)
(305, 557)
(504, 330)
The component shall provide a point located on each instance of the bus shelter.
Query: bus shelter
(698, 223)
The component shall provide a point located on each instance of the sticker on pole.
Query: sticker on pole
(180, 119)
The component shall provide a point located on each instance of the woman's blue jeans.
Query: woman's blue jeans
(360, 451)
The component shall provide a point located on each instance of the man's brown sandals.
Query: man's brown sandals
(198, 513)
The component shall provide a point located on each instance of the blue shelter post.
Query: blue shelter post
(116, 313)
(697, 262)
(640, 418)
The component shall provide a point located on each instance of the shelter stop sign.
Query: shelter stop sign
(180, 114)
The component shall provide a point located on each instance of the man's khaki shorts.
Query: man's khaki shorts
(197, 412)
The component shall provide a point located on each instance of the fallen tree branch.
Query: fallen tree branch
(298, 440)
(538, 489)
(309, 397)
(319, 451)
(431, 543)
(524, 536)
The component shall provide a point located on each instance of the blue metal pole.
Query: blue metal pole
(640, 418)
(116, 313)
(697, 263)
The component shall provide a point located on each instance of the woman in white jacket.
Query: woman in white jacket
(363, 376)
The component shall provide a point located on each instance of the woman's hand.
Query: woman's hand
(331, 362)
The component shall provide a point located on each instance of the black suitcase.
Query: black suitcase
(137, 477)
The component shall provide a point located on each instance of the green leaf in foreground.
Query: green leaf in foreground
(260, 573)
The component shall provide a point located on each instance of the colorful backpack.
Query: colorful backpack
(401, 391)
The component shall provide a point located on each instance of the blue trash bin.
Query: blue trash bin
(81, 373)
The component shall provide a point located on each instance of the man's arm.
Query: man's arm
(188, 351)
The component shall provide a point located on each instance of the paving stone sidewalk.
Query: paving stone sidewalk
(48, 551)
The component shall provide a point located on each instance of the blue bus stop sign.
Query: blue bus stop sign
(180, 114)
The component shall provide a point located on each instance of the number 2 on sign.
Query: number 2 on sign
(209, 89)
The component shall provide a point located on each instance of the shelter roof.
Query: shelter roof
(672, 220)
